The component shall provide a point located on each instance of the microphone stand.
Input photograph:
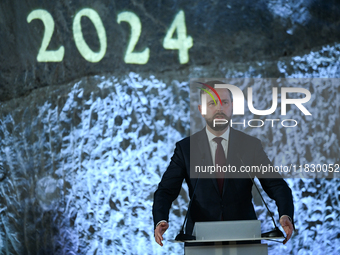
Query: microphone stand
(275, 232)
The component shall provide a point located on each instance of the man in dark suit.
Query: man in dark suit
(221, 196)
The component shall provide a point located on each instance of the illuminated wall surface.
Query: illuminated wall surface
(94, 95)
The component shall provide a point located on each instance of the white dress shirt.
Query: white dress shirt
(213, 144)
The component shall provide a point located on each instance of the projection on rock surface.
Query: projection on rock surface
(95, 94)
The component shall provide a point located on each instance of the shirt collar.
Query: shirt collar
(211, 136)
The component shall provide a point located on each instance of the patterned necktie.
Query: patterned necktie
(220, 161)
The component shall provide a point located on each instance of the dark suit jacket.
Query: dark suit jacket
(208, 205)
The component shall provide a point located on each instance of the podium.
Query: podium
(234, 233)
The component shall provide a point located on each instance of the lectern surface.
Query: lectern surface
(246, 249)
(227, 230)
(226, 240)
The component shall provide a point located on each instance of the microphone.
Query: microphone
(186, 237)
(275, 232)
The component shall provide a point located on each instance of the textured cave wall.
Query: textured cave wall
(83, 162)
(83, 146)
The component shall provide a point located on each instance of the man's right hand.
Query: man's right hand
(159, 231)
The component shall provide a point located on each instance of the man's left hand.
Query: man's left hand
(287, 227)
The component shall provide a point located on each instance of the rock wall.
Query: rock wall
(84, 144)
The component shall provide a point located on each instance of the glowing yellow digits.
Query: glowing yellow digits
(46, 55)
(82, 46)
(136, 28)
(179, 41)
(183, 42)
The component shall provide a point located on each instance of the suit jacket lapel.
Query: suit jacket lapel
(204, 148)
(205, 153)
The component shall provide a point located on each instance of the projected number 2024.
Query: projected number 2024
(181, 42)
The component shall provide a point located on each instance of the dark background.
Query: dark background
(83, 145)
(225, 33)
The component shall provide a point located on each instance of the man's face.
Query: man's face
(218, 111)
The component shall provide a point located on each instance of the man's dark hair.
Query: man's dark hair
(212, 84)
